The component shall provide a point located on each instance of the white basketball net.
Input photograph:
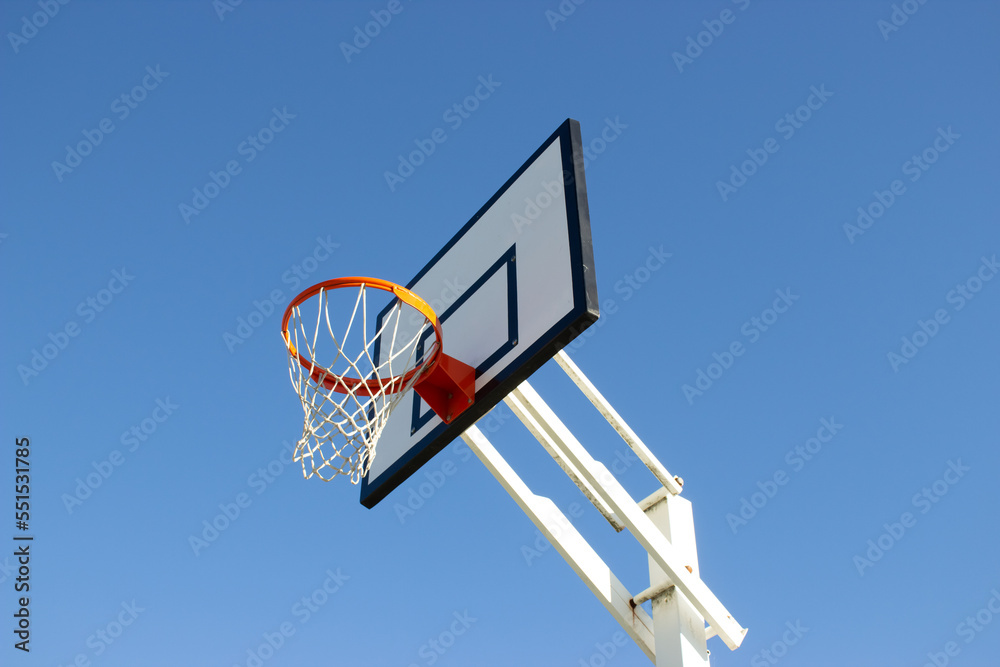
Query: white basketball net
(342, 427)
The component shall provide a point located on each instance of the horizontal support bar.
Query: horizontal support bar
(651, 592)
(655, 497)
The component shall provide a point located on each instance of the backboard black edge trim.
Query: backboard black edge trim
(585, 312)
(579, 201)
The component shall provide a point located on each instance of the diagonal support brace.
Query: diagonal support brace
(642, 528)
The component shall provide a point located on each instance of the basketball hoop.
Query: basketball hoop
(347, 397)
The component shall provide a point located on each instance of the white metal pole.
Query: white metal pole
(678, 626)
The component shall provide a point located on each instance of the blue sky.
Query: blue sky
(135, 297)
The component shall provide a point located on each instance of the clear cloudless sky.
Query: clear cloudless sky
(891, 336)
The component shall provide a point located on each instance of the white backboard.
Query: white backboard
(512, 288)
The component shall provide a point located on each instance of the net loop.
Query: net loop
(347, 398)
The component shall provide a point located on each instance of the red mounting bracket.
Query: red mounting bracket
(449, 389)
